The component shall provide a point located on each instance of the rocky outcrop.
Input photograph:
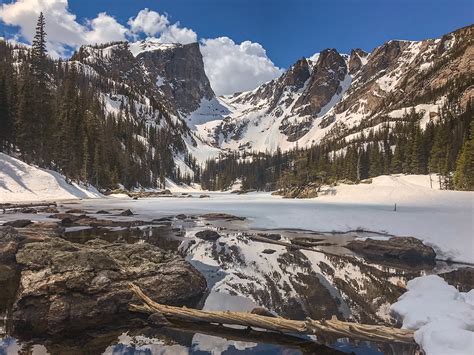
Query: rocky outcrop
(329, 71)
(355, 60)
(305, 191)
(68, 287)
(407, 249)
(172, 74)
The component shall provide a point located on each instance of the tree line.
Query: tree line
(55, 115)
(445, 147)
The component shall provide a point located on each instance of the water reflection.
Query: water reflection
(242, 273)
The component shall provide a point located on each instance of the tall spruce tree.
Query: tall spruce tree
(464, 174)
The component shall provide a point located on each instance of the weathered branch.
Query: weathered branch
(333, 327)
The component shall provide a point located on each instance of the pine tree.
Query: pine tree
(464, 174)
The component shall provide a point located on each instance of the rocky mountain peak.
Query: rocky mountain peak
(179, 74)
(298, 74)
(325, 82)
(356, 60)
(170, 73)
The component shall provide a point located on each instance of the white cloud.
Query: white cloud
(62, 28)
(176, 34)
(235, 67)
(105, 28)
(148, 22)
(230, 67)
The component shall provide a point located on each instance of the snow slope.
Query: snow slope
(442, 316)
(20, 182)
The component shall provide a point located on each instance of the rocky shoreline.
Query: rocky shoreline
(65, 274)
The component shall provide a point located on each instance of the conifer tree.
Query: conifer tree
(464, 174)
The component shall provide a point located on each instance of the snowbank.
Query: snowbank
(442, 316)
(20, 182)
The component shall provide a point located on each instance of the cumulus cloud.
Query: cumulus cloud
(157, 27)
(62, 26)
(235, 67)
(177, 34)
(148, 22)
(230, 67)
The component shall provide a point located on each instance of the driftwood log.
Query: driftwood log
(17, 206)
(334, 328)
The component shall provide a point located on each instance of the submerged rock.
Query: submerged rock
(67, 287)
(208, 235)
(127, 213)
(218, 216)
(407, 249)
(19, 223)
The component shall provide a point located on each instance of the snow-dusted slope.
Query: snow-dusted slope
(22, 182)
(337, 96)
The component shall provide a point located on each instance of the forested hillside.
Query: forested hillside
(444, 147)
(62, 116)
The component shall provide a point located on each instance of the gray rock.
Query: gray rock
(208, 235)
(19, 223)
(399, 248)
(127, 213)
(68, 287)
(268, 251)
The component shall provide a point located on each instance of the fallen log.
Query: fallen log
(334, 327)
(17, 206)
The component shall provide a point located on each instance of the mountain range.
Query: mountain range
(328, 97)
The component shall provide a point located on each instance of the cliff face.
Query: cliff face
(170, 73)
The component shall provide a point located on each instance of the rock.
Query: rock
(208, 235)
(272, 236)
(71, 217)
(127, 213)
(181, 216)
(158, 320)
(28, 210)
(68, 287)
(217, 216)
(204, 196)
(262, 312)
(462, 278)
(166, 192)
(19, 223)
(268, 251)
(10, 241)
(102, 212)
(67, 221)
(407, 249)
(76, 211)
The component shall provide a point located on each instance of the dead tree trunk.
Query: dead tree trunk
(333, 327)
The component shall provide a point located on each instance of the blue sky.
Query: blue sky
(243, 42)
(291, 29)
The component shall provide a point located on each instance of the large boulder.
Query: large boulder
(67, 287)
(407, 249)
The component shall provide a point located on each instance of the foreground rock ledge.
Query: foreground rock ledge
(67, 287)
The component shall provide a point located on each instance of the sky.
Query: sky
(244, 42)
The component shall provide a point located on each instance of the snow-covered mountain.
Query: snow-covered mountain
(336, 96)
